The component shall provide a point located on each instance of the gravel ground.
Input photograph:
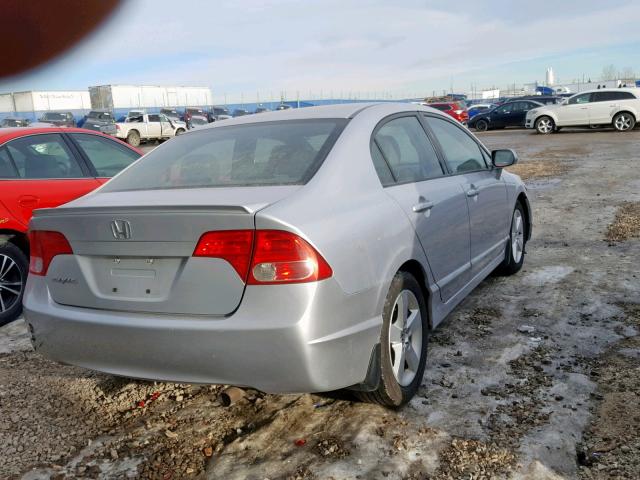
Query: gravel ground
(535, 376)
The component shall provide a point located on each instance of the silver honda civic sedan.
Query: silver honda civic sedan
(304, 250)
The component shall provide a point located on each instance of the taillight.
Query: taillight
(234, 246)
(284, 257)
(43, 246)
(265, 256)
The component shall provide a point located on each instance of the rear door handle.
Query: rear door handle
(422, 206)
(473, 192)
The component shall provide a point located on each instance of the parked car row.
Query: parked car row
(605, 107)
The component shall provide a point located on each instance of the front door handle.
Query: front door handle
(422, 206)
(473, 192)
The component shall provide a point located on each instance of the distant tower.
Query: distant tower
(550, 77)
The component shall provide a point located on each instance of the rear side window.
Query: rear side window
(7, 169)
(43, 156)
(107, 156)
(380, 164)
(461, 152)
(407, 150)
(612, 96)
(154, 118)
(269, 153)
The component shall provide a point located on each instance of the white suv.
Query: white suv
(618, 107)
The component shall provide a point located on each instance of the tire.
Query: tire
(13, 278)
(398, 383)
(514, 255)
(133, 138)
(482, 126)
(624, 122)
(179, 131)
(545, 125)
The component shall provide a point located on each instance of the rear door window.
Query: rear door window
(407, 150)
(43, 156)
(261, 153)
(461, 152)
(7, 168)
(107, 156)
(381, 166)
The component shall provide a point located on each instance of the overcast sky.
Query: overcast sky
(342, 46)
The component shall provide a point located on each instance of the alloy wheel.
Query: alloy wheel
(545, 125)
(405, 337)
(623, 122)
(517, 236)
(10, 283)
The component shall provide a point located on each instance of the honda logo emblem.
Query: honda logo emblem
(121, 229)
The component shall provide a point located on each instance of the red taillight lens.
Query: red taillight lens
(284, 257)
(278, 256)
(43, 246)
(234, 246)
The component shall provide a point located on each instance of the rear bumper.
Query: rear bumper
(282, 339)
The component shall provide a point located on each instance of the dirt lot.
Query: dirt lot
(536, 376)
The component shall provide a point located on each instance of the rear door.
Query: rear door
(576, 112)
(47, 173)
(485, 191)
(518, 113)
(154, 128)
(105, 157)
(606, 104)
(166, 129)
(409, 167)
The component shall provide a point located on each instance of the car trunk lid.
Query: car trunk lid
(133, 251)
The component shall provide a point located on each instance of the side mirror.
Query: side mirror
(503, 158)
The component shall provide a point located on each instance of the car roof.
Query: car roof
(7, 134)
(344, 110)
(634, 90)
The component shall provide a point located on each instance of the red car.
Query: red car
(44, 168)
(456, 109)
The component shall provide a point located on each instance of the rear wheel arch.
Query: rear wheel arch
(629, 112)
(415, 268)
(19, 239)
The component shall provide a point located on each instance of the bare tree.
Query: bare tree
(609, 72)
(627, 73)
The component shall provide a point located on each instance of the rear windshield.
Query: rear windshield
(54, 116)
(106, 116)
(269, 153)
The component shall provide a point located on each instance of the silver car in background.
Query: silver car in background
(304, 250)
